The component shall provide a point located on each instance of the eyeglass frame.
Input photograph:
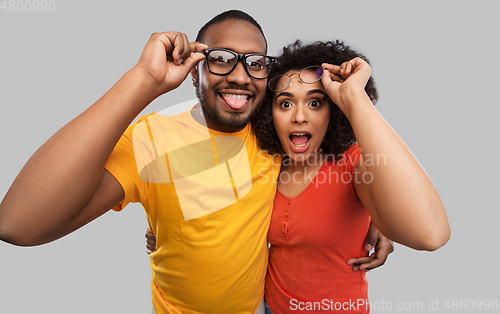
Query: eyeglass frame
(298, 73)
(239, 56)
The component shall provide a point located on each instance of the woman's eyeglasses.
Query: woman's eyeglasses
(223, 61)
(309, 75)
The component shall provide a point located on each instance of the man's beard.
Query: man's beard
(234, 123)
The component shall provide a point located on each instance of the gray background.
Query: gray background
(436, 67)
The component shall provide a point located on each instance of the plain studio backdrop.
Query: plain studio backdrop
(436, 67)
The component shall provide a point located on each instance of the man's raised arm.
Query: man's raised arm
(64, 184)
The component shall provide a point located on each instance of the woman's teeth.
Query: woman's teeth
(300, 139)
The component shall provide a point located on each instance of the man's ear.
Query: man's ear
(194, 74)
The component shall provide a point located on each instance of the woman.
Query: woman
(343, 167)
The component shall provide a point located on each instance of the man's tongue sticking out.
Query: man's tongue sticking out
(235, 101)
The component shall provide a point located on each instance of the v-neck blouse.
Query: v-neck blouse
(312, 235)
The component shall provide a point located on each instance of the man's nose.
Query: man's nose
(239, 75)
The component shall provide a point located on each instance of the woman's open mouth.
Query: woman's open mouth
(300, 141)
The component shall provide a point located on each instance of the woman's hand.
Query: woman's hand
(345, 84)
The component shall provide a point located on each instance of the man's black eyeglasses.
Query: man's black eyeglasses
(223, 61)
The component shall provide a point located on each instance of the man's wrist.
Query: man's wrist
(149, 87)
(144, 84)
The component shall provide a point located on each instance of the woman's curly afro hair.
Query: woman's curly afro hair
(339, 135)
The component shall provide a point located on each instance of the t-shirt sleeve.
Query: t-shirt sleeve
(121, 164)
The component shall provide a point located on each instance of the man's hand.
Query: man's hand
(168, 58)
(150, 241)
(383, 247)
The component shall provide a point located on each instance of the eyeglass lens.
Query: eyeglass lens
(223, 62)
(308, 75)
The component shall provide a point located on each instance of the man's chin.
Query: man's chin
(226, 121)
(229, 123)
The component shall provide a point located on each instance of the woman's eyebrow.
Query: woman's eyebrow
(283, 94)
(311, 92)
(316, 91)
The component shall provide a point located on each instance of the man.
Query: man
(206, 188)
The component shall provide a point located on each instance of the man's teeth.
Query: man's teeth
(235, 96)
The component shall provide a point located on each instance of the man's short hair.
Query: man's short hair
(229, 15)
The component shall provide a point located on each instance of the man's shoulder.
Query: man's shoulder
(179, 109)
(173, 112)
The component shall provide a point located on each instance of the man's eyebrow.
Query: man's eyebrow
(248, 53)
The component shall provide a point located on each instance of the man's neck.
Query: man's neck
(199, 116)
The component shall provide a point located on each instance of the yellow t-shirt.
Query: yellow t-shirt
(208, 198)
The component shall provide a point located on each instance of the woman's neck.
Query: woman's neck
(313, 161)
(296, 175)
